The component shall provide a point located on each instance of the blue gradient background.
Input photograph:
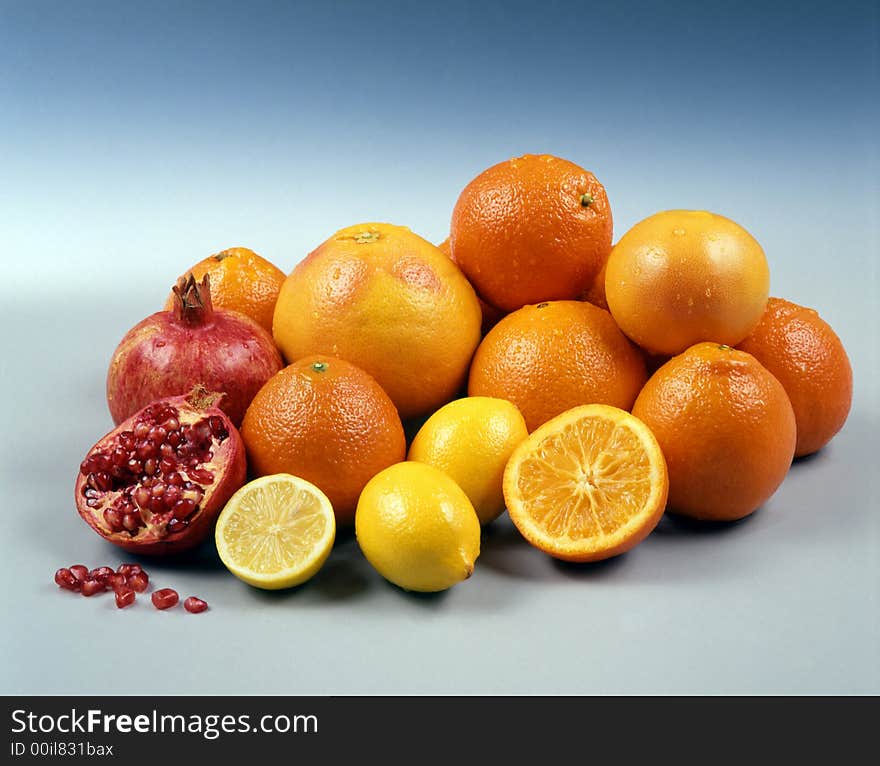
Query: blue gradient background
(136, 138)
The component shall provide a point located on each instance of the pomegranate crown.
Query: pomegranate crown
(192, 299)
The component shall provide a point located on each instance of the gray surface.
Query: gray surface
(785, 601)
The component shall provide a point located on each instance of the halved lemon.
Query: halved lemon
(276, 531)
(589, 484)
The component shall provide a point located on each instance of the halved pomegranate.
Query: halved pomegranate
(157, 482)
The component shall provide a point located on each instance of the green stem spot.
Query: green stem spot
(586, 199)
(723, 347)
(320, 366)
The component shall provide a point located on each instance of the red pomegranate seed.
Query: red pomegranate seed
(80, 572)
(185, 508)
(64, 579)
(91, 587)
(141, 430)
(139, 581)
(131, 522)
(195, 605)
(113, 519)
(201, 475)
(165, 598)
(176, 525)
(142, 497)
(101, 574)
(126, 439)
(128, 569)
(124, 597)
(117, 581)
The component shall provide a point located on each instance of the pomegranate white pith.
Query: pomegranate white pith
(157, 482)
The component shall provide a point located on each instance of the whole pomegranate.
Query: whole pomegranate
(157, 482)
(171, 351)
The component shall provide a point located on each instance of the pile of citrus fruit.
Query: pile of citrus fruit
(584, 387)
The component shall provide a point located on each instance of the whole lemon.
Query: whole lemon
(471, 440)
(417, 527)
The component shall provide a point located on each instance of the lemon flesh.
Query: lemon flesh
(276, 532)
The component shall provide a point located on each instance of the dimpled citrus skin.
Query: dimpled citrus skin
(554, 356)
(390, 302)
(328, 422)
(685, 276)
(726, 428)
(241, 281)
(807, 357)
(417, 528)
(531, 229)
(491, 314)
(471, 440)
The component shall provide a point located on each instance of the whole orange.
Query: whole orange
(808, 358)
(531, 229)
(491, 314)
(241, 281)
(726, 428)
(326, 421)
(390, 302)
(685, 276)
(554, 356)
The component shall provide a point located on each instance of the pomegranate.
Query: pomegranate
(156, 483)
(124, 597)
(171, 351)
(165, 598)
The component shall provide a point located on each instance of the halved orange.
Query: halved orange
(589, 484)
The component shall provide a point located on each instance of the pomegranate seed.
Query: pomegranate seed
(176, 525)
(101, 574)
(91, 492)
(64, 579)
(174, 438)
(158, 434)
(139, 581)
(150, 466)
(124, 597)
(174, 478)
(147, 449)
(135, 466)
(141, 430)
(117, 581)
(195, 605)
(119, 457)
(128, 569)
(185, 508)
(131, 522)
(80, 572)
(142, 496)
(113, 519)
(218, 427)
(91, 587)
(165, 598)
(127, 440)
(167, 465)
(171, 425)
(172, 495)
(201, 475)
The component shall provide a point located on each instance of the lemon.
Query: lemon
(276, 531)
(471, 439)
(417, 527)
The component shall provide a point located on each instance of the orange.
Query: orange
(328, 422)
(595, 293)
(807, 357)
(587, 485)
(241, 281)
(554, 356)
(686, 276)
(390, 302)
(531, 229)
(491, 315)
(726, 427)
